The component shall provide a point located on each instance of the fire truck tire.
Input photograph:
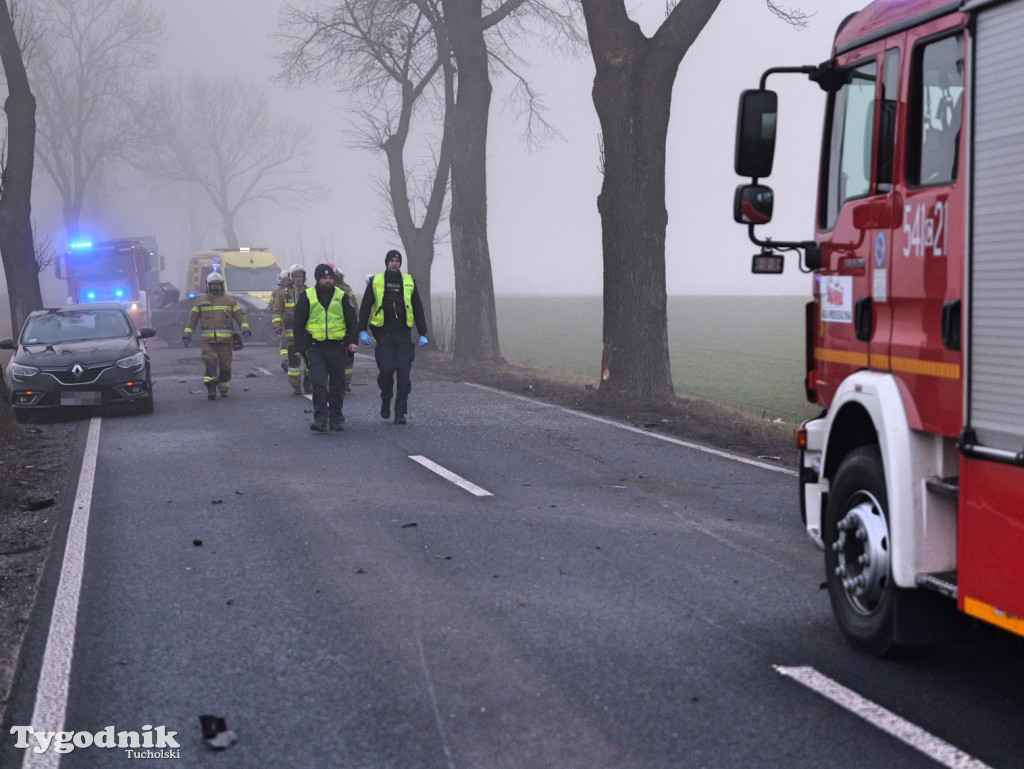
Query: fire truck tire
(858, 569)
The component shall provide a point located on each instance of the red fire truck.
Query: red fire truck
(125, 271)
(912, 476)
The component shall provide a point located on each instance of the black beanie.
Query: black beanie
(322, 270)
(391, 255)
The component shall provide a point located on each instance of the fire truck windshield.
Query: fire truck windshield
(100, 265)
(251, 278)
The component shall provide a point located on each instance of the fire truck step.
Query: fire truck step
(949, 487)
(941, 582)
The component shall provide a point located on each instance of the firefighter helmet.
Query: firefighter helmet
(296, 268)
(284, 277)
(214, 277)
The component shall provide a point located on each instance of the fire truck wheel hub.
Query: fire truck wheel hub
(862, 547)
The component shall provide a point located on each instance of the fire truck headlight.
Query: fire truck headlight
(132, 361)
(22, 372)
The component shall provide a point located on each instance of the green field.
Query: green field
(746, 352)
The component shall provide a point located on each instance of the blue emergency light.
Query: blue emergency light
(81, 245)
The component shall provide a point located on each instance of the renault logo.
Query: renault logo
(77, 370)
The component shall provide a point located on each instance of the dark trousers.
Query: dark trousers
(326, 363)
(395, 353)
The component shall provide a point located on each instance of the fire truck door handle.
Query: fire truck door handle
(862, 319)
(951, 324)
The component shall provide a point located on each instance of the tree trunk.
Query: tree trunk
(16, 244)
(230, 236)
(420, 256)
(633, 96)
(476, 322)
(633, 107)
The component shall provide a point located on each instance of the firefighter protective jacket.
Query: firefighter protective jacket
(215, 316)
(283, 308)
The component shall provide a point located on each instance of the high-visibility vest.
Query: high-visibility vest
(377, 316)
(326, 324)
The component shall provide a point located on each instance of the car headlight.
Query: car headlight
(132, 361)
(18, 370)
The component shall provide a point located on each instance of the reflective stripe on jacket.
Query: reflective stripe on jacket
(377, 316)
(215, 316)
(326, 324)
(283, 307)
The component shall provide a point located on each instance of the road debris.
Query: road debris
(216, 732)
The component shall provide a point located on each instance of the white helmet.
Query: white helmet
(296, 268)
(284, 277)
(214, 277)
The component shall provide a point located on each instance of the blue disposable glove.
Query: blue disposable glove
(187, 341)
(246, 334)
(364, 337)
(277, 331)
(423, 341)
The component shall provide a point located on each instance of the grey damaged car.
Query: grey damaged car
(79, 355)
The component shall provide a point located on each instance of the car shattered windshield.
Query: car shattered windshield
(82, 325)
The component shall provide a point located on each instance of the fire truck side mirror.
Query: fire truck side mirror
(753, 204)
(755, 133)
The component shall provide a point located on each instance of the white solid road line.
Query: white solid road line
(52, 693)
(641, 431)
(935, 748)
(472, 488)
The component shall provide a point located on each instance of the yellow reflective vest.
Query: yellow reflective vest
(326, 324)
(377, 316)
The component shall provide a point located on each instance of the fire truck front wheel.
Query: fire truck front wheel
(864, 598)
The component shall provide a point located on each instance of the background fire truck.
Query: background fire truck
(126, 271)
(912, 477)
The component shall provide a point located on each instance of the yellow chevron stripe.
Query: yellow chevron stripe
(984, 611)
(841, 356)
(926, 367)
(889, 363)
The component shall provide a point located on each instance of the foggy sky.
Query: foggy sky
(545, 234)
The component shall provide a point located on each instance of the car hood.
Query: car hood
(87, 352)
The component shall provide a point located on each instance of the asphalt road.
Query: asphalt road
(613, 599)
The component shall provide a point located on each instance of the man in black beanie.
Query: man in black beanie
(325, 333)
(391, 306)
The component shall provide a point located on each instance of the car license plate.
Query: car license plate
(86, 398)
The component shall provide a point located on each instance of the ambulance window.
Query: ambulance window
(852, 123)
(887, 120)
(936, 111)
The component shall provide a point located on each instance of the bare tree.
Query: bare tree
(16, 194)
(88, 75)
(218, 136)
(386, 54)
(16, 240)
(632, 94)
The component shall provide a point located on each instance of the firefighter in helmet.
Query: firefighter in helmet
(283, 310)
(277, 315)
(214, 315)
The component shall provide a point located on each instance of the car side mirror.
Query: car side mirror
(753, 204)
(6, 343)
(146, 332)
(755, 133)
